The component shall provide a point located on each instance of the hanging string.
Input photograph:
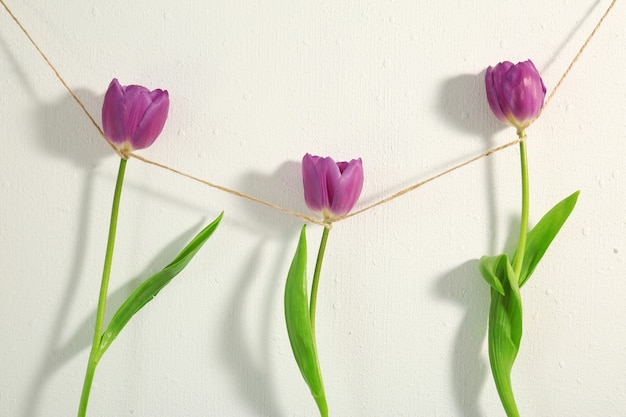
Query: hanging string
(434, 177)
(58, 75)
(229, 191)
(579, 54)
(282, 209)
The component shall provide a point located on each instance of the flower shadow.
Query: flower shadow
(282, 188)
(79, 141)
(464, 285)
(60, 352)
(463, 103)
(66, 140)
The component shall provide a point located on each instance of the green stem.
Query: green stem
(104, 286)
(316, 278)
(523, 232)
(505, 391)
(321, 400)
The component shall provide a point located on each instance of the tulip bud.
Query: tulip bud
(331, 188)
(515, 93)
(133, 116)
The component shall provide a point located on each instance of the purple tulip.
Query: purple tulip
(133, 116)
(331, 188)
(515, 93)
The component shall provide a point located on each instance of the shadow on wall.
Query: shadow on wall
(463, 104)
(464, 285)
(65, 132)
(60, 136)
(569, 36)
(251, 363)
(59, 353)
(283, 188)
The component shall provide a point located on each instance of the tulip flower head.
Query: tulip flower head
(331, 188)
(515, 93)
(133, 116)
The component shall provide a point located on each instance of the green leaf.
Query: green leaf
(542, 235)
(151, 287)
(299, 327)
(491, 270)
(505, 331)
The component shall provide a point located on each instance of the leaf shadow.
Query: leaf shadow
(66, 133)
(62, 139)
(60, 352)
(251, 364)
(464, 286)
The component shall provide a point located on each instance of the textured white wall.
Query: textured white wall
(402, 310)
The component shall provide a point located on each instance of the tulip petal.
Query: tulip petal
(137, 100)
(492, 94)
(311, 184)
(329, 177)
(153, 121)
(502, 84)
(113, 110)
(348, 189)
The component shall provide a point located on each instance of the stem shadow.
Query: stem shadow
(59, 352)
(463, 103)
(251, 364)
(251, 368)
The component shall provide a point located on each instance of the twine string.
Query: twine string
(579, 54)
(434, 177)
(60, 78)
(304, 217)
(228, 190)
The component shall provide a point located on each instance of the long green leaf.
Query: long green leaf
(542, 235)
(505, 331)
(299, 325)
(151, 286)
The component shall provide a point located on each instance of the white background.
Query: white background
(254, 85)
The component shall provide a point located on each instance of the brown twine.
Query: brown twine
(580, 52)
(434, 177)
(58, 75)
(304, 217)
(229, 191)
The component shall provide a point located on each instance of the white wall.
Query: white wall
(402, 310)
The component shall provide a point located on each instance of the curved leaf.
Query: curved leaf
(505, 332)
(299, 328)
(491, 270)
(542, 235)
(151, 287)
